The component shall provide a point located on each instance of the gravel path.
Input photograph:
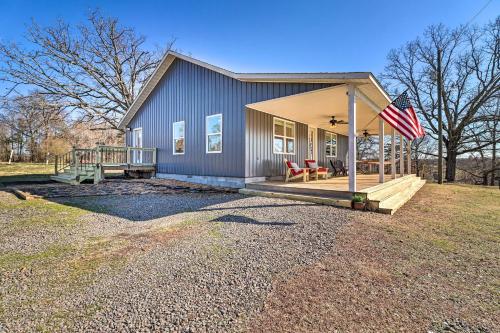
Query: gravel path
(211, 275)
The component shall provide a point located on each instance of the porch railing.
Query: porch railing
(82, 159)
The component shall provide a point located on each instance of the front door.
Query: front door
(137, 142)
(312, 146)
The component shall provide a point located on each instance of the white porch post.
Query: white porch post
(393, 154)
(401, 157)
(381, 157)
(352, 137)
(408, 155)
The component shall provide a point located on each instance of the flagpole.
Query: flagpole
(440, 120)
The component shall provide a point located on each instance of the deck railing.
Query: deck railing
(80, 159)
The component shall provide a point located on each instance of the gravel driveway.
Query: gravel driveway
(217, 277)
(210, 274)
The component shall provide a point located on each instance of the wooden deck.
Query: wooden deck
(385, 197)
(82, 164)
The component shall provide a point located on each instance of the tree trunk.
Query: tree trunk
(451, 165)
(493, 160)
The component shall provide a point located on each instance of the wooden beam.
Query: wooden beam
(372, 105)
(401, 155)
(393, 154)
(408, 156)
(351, 91)
(381, 157)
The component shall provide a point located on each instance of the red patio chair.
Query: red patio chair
(315, 170)
(293, 171)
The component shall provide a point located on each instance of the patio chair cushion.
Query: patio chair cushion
(294, 168)
(312, 164)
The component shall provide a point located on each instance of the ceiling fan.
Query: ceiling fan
(334, 122)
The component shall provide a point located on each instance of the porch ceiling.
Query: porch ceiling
(315, 108)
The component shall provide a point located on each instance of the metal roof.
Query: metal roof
(170, 56)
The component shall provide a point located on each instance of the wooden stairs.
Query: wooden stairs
(384, 198)
(388, 197)
(69, 175)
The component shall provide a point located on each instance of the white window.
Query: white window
(178, 136)
(284, 136)
(214, 133)
(331, 144)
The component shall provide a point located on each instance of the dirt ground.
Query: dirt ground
(433, 266)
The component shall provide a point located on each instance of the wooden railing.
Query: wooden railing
(84, 158)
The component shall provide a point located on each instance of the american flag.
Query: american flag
(402, 117)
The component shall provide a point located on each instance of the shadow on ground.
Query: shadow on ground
(229, 218)
(146, 207)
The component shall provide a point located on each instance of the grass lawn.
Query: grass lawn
(25, 171)
(432, 265)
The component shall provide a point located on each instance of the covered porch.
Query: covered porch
(349, 109)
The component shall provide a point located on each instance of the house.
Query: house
(213, 126)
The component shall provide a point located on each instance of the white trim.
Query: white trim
(351, 106)
(206, 133)
(137, 154)
(184, 137)
(371, 104)
(381, 152)
(336, 143)
(170, 56)
(315, 141)
(284, 136)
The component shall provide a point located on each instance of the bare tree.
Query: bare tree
(32, 122)
(471, 78)
(96, 68)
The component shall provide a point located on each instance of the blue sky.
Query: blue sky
(265, 36)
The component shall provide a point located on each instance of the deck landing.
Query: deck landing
(384, 197)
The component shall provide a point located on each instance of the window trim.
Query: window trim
(331, 145)
(284, 137)
(173, 137)
(206, 133)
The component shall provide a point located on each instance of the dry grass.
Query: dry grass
(435, 260)
(25, 172)
(17, 169)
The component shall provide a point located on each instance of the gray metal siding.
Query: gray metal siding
(190, 92)
(342, 147)
(261, 161)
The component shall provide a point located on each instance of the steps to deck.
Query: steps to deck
(391, 204)
(390, 196)
(384, 198)
(70, 176)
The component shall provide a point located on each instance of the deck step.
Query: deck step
(61, 178)
(393, 203)
(338, 202)
(386, 190)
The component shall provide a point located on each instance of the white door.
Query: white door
(312, 145)
(137, 142)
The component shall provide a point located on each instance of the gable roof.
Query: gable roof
(170, 56)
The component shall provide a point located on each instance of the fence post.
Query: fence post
(154, 156)
(77, 163)
(128, 155)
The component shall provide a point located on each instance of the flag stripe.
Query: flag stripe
(401, 115)
(401, 119)
(395, 125)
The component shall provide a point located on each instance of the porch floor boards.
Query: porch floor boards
(384, 197)
(364, 181)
